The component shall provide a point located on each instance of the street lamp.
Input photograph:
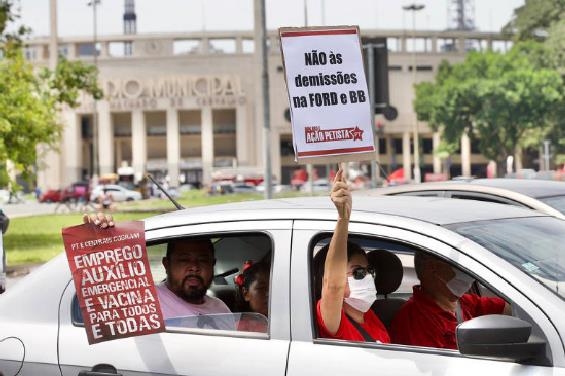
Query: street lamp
(414, 8)
(95, 165)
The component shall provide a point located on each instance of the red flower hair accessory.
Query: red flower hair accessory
(240, 279)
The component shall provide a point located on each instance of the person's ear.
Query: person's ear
(245, 294)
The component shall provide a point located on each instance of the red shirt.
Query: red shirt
(421, 322)
(347, 331)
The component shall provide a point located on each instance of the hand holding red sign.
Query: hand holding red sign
(112, 277)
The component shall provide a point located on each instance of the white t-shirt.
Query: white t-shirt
(174, 306)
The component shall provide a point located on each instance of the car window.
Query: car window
(557, 202)
(422, 193)
(397, 282)
(533, 245)
(483, 197)
(232, 253)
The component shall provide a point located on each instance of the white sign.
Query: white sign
(327, 89)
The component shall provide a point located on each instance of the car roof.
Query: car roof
(529, 187)
(524, 192)
(434, 210)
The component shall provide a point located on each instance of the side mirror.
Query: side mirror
(4, 222)
(500, 336)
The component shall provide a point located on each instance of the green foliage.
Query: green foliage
(535, 17)
(29, 101)
(507, 100)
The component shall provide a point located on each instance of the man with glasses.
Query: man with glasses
(345, 282)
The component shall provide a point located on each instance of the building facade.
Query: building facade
(187, 105)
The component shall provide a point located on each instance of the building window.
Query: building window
(382, 145)
(86, 126)
(286, 147)
(427, 145)
(397, 146)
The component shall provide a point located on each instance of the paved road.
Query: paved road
(28, 208)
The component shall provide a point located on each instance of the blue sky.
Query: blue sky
(75, 17)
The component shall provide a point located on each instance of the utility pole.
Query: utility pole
(95, 164)
(417, 173)
(309, 166)
(261, 43)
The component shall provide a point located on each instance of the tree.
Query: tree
(534, 19)
(503, 100)
(30, 99)
(544, 21)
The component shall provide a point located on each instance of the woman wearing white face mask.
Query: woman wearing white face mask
(346, 280)
(439, 304)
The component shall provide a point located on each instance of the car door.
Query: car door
(334, 357)
(194, 351)
(118, 194)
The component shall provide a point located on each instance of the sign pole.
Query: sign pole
(262, 50)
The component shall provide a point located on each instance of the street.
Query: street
(29, 207)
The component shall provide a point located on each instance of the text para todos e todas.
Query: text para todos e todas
(330, 98)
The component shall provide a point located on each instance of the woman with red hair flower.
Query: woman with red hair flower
(253, 296)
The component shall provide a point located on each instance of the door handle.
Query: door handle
(101, 370)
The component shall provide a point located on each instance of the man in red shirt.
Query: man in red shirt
(439, 303)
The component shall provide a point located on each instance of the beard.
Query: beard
(194, 294)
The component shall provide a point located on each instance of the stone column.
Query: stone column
(465, 155)
(105, 138)
(48, 160)
(173, 146)
(242, 133)
(207, 145)
(437, 160)
(138, 144)
(406, 163)
(72, 156)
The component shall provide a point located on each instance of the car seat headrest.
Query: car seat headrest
(388, 269)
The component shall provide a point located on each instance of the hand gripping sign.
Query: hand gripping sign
(113, 281)
(327, 89)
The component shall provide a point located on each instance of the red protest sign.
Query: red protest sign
(113, 281)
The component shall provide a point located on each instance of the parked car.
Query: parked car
(74, 192)
(226, 187)
(320, 185)
(545, 196)
(512, 252)
(117, 192)
(276, 188)
(52, 195)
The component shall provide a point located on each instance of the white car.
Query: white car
(545, 196)
(512, 252)
(320, 185)
(117, 192)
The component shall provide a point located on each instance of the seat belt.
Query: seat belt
(458, 313)
(359, 328)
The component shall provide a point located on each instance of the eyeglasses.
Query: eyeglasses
(360, 272)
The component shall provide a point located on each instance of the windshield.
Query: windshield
(534, 245)
(557, 202)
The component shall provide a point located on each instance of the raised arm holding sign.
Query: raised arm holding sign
(328, 95)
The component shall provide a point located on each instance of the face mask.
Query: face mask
(460, 283)
(362, 293)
